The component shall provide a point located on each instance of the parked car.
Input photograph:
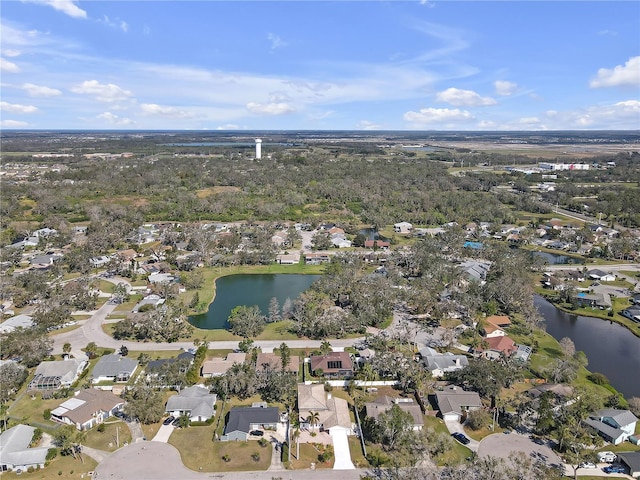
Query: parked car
(256, 433)
(168, 420)
(587, 465)
(461, 437)
(613, 469)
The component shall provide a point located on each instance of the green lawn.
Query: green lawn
(59, 468)
(457, 454)
(308, 455)
(200, 453)
(115, 431)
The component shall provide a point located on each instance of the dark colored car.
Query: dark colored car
(613, 469)
(256, 433)
(461, 438)
(168, 420)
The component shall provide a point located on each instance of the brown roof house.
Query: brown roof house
(271, 361)
(385, 403)
(493, 347)
(332, 365)
(218, 366)
(87, 408)
(331, 413)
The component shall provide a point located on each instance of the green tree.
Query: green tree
(91, 349)
(246, 321)
(145, 403)
(285, 355)
(395, 427)
(312, 419)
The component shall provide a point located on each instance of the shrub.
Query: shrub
(598, 378)
(101, 428)
(47, 414)
(226, 458)
(263, 442)
(477, 419)
(255, 456)
(51, 454)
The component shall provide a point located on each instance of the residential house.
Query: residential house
(316, 258)
(385, 403)
(632, 313)
(218, 366)
(271, 361)
(601, 275)
(155, 367)
(454, 402)
(332, 365)
(15, 454)
(288, 259)
(340, 241)
(632, 461)
(475, 270)
(154, 300)
(18, 321)
(593, 300)
(243, 420)
(196, 402)
(331, 413)
(441, 363)
(403, 228)
(492, 331)
(161, 278)
(498, 320)
(377, 244)
(614, 425)
(494, 347)
(51, 375)
(88, 408)
(114, 368)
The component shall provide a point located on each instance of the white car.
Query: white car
(587, 465)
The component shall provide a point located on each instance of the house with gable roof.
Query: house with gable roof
(614, 425)
(196, 402)
(243, 420)
(453, 402)
(440, 363)
(15, 453)
(89, 407)
(51, 375)
(114, 368)
(332, 413)
(385, 403)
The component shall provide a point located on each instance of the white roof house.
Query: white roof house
(15, 453)
(115, 368)
(196, 402)
(453, 402)
(402, 227)
(440, 363)
(56, 374)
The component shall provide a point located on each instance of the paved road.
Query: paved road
(454, 426)
(502, 445)
(161, 461)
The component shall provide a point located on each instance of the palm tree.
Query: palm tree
(313, 419)
(295, 437)
(325, 348)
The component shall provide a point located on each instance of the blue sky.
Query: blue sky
(331, 65)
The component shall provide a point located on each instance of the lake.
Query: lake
(249, 290)
(372, 234)
(611, 349)
(557, 259)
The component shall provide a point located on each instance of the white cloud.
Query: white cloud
(611, 33)
(505, 88)
(621, 75)
(13, 124)
(437, 115)
(276, 41)
(367, 125)
(113, 119)
(124, 26)
(270, 108)
(164, 111)
(67, 7)
(16, 108)
(117, 23)
(102, 92)
(11, 53)
(40, 90)
(463, 98)
(7, 66)
(228, 126)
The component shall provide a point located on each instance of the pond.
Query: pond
(372, 234)
(557, 259)
(248, 290)
(610, 348)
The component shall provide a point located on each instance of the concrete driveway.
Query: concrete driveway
(341, 451)
(454, 426)
(163, 434)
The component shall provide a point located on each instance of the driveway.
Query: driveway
(502, 445)
(454, 426)
(341, 451)
(163, 434)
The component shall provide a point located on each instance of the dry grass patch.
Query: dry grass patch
(60, 467)
(206, 192)
(114, 431)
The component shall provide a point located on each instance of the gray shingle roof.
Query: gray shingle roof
(241, 418)
(196, 400)
(112, 365)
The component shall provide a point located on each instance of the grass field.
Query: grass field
(115, 431)
(200, 453)
(59, 468)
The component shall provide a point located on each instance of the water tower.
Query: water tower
(258, 149)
